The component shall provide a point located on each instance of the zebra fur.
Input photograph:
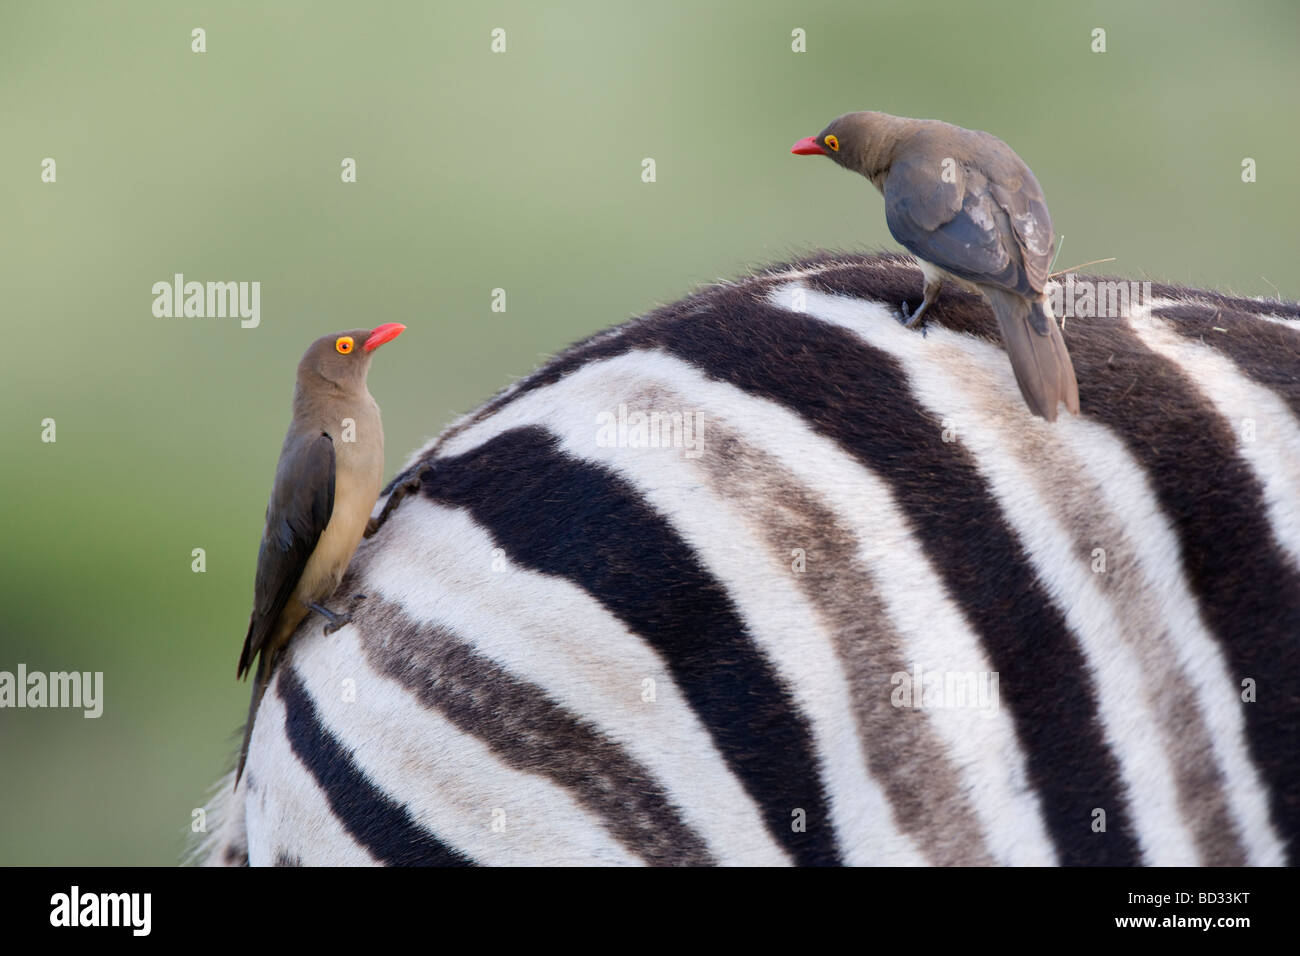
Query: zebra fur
(516, 607)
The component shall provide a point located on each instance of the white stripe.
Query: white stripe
(439, 565)
(1285, 322)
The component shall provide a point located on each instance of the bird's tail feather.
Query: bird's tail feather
(260, 679)
(1040, 361)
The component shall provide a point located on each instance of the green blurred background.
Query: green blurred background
(476, 170)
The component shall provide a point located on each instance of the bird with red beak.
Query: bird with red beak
(972, 213)
(329, 475)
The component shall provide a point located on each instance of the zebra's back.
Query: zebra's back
(670, 600)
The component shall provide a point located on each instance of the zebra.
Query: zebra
(577, 642)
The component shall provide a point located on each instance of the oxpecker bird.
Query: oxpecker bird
(971, 211)
(330, 473)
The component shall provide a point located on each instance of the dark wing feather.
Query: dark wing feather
(1032, 226)
(990, 226)
(302, 501)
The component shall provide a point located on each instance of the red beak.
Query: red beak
(808, 146)
(384, 333)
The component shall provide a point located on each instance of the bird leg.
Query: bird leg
(335, 620)
(400, 492)
(917, 318)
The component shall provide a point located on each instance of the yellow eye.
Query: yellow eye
(344, 344)
(833, 143)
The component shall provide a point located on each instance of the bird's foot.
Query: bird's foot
(912, 320)
(401, 491)
(332, 621)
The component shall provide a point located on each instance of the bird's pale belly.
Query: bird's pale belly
(353, 501)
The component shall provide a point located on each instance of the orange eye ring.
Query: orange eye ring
(344, 344)
(833, 142)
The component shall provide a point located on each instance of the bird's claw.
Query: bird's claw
(333, 621)
(912, 320)
(339, 621)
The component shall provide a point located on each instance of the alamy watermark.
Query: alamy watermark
(651, 429)
(212, 300)
(75, 689)
(129, 910)
(966, 690)
(1089, 298)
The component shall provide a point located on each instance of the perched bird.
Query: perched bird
(330, 472)
(971, 211)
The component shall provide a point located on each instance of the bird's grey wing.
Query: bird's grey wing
(958, 225)
(1016, 190)
(300, 508)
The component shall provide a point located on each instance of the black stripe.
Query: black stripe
(376, 822)
(1217, 300)
(563, 517)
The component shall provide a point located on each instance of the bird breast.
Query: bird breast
(358, 479)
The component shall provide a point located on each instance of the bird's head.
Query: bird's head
(344, 357)
(862, 142)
